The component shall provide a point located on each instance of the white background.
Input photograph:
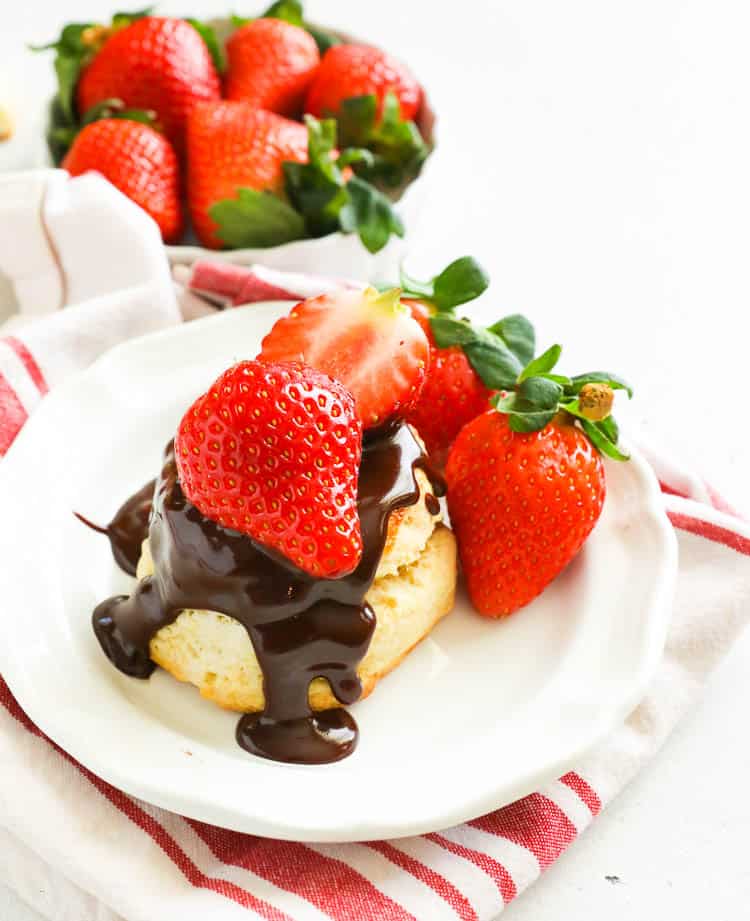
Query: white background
(596, 157)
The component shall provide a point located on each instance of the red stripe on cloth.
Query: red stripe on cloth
(720, 503)
(256, 289)
(712, 532)
(672, 491)
(584, 790)
(535, 823)
(439, 884)
(29, 362)
(12, 415)
(129, 808)
(493, 868)
(329, 884)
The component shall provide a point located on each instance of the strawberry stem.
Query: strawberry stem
(387, 302)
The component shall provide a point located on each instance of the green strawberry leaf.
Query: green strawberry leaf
(490, 357)
(543, 364)
(256, 219)
(449, 331)
(601, 440)
(288, 10)
(115, 108)
(67, 68)
(354, 155)
(522, 417)
(327, 201)
(518, 334)
(610, 429)
(599, 377)
(317, 189)
(540, 392)
(61, 130)
(398, 147)
(208, 34)
(323, 39)
(119, 20)
(558, 379)
(357, 119)
(370, 214)
(463, 280)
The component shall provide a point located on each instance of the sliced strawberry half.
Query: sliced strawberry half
(367, 340)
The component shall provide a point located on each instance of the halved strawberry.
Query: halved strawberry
(366, 339)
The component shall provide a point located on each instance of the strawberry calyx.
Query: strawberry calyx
(502, 355)
(75, 47)
(397, 146)
(323, 197)
(539, 396)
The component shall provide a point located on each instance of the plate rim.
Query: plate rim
(465, 807)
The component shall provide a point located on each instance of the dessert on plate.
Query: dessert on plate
(292, 550)
(295, 551)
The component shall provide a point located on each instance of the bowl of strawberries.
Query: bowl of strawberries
(267, 139)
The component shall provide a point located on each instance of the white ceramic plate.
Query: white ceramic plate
(478, 715)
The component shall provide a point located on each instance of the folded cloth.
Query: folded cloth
(77, 849)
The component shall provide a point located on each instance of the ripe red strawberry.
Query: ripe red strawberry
(521, 505)
(139, 161)
(231, 146)
(154, 63)
(453, 393)
(273, 451)
(271, 63)
(361, 70)
(366, 340)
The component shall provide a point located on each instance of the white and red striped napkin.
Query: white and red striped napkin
(77, 849)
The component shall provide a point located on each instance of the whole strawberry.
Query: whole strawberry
(453, 393)
(154, 63)
(273, 451)
(366, 339)
(139, 161)
(361, 70)
(233, 146)
(526, 484)
(271, 64)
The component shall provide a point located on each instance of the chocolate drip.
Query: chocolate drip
(301, 628)
(128, 529)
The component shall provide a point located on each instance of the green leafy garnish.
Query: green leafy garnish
(369, 213)
(518, 334)
(256, 219)
(208, 34)
(329, 201)
(463, 280)
(398, 147)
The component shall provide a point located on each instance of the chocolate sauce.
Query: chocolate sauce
(128, 529)
(301, 628)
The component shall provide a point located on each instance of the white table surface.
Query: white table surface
(596, 157)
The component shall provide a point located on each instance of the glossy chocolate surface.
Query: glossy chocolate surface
(301, 628)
